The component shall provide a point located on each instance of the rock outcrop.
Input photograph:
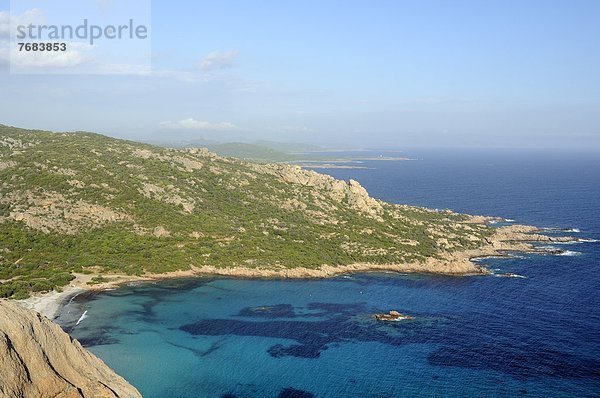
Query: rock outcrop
(392, 316)
(38, 359)
(356, 196)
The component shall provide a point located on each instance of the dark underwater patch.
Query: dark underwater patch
(269, 311)
(95, 336)
(312, 310)
(200, 353)
(459, 343)
(98, 339)
(413, 281)
(290, 392)
(336, 323)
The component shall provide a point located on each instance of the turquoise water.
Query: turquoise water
(476, 337)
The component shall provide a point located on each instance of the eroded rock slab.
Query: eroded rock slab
(38, 359)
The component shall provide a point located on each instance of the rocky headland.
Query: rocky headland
(38, 360)
(81, 204)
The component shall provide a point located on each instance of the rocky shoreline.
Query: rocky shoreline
(505, 241)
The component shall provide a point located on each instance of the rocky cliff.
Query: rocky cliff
(38, 359)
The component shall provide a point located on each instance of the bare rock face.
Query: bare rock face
(38, 359)
(359, 198)
(352, 191)
(160, 231)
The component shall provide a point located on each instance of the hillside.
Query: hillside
(83, 202)
(240, 150)
(252, 152)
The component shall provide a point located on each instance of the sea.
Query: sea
(536, 335)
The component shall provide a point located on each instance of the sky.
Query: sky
(400, 73)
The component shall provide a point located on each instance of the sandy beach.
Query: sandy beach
(49, 304)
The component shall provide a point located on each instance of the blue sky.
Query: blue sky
(362, 73)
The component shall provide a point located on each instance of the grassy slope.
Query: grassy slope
(252, 152)
(73, 201)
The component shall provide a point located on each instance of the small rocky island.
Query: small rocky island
(392, 316)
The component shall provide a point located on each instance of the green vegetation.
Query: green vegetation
(98, 279)
(257, 153)
(289, 147)
(73, 201)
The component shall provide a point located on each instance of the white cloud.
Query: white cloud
(218, 60)
(105, 4)
(4, 25)
(6, 20)
(34, 16)
(47, 60)
(32, 61)
(198, 125)
(79, 57)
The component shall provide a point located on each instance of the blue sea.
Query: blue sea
(484, 336)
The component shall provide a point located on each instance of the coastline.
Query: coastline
(49, 304)
(507, 239)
